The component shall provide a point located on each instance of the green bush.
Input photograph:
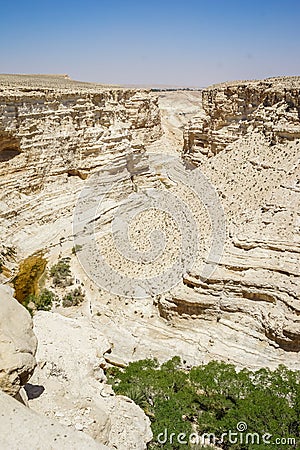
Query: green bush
(76, 249)
(61, 273)
(43, 301)
(213, 398)
(73, 298)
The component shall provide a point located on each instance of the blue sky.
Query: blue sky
(191, 43)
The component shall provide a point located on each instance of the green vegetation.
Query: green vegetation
(32, 276)
(43, 301)
(27, 279)
(61, 273)
(213, 398)
(73, 298)
(76, 249)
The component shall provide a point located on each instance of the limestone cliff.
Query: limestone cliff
(231, 110)
(247, 142)
(53, 133)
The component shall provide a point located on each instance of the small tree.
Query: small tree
(77, 248)
(210, 400)
(73, 298)
(43, 301)
(61, 273)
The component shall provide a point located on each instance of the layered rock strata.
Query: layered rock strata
(231, 110)
(54, 132)
(247, 143)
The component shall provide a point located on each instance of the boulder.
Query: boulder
(18, 343)
(22, 428)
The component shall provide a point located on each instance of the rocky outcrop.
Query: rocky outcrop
(17, 343)
(22, 428)
(231, 110)
(67, 390)
(75, 390)
(68, 387)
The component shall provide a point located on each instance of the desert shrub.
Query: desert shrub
(61, 273)
(43, 301)
(213, 398)
(138, 395)
(73, 298)
(76, 248)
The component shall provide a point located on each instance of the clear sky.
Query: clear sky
(191, 43)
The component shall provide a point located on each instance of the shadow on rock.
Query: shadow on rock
(33, 390)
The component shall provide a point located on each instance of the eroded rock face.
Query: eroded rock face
(247, 143)
(68, 131)
(246, 314)
(231, 110)
(17, 343)
(54, 132)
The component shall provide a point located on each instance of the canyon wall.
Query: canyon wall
(54, 132)
(231, 110)
(246, 141)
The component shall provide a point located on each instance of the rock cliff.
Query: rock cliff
(232, 110)
(247, 142)
(54, 132)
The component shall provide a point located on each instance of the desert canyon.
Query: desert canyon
(57, 136)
